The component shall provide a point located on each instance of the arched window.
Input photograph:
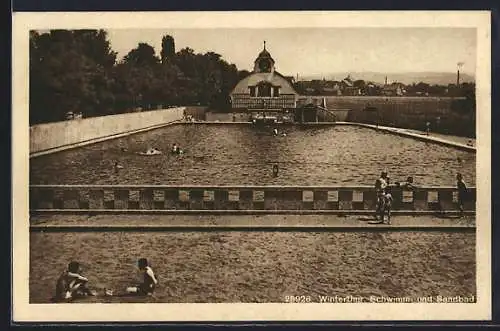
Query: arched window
(264, 89)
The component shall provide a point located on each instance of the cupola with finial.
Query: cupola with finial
(264, 62)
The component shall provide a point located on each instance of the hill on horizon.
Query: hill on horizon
(432, 78)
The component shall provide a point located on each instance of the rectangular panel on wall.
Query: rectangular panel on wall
(407, 196)
(84, 198)
(320, 200)
(159, 195)
(146, 199)
(246, 199)
(71, 199)
(307, 196)
(234, 195)
(208, 195)
(96, 199)
(345, 195)
(58, 198)
(258, 196)
(159, 199)
(208, 200)
(433, 200)
(369, 199)
(109, 199)
(357, 196)
(432, 197)
(258, 200)
(420, 199)
(121, 199)
(333, 196)
(183, 195)
(42, 198)
(358, 200)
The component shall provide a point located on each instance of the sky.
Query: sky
(313, 51)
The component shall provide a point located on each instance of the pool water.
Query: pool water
(244, 155)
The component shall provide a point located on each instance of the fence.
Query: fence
(235, 198)
(283, 101)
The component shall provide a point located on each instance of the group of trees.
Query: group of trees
(77, 71)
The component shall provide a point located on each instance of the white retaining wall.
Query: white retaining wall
(53, 135)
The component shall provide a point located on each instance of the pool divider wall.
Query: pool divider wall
(422, 137)
(52, 137)
(393, 130)
(101, 198)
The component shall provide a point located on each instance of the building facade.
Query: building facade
(264, 91)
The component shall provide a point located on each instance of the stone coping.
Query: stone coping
(295, 222)
(273, 187)
(336, 212)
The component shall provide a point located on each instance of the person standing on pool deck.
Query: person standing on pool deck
(149, 282)
(462, 192)
(380, 187)
(382, 182)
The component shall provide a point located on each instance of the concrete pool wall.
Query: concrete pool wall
(264, 199)
(52, 137)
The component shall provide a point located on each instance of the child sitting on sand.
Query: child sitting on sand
(71, 284)
(149, 281)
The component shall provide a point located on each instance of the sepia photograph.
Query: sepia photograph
(332, 163)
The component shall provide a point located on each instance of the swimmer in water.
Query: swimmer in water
(275, 170)
(153, 151)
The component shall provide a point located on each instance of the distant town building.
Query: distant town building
(394, 89)
(347, 87)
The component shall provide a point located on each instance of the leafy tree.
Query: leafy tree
(167, 48)
(69, 71)
(76, 70)
(142, 55)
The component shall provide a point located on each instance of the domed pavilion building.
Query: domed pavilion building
(265, 92)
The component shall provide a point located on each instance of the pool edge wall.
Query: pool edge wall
(263, 199)
(54, 137)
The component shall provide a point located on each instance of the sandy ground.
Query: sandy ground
(260, 266)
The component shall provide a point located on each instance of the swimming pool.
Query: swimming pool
(244, 155)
